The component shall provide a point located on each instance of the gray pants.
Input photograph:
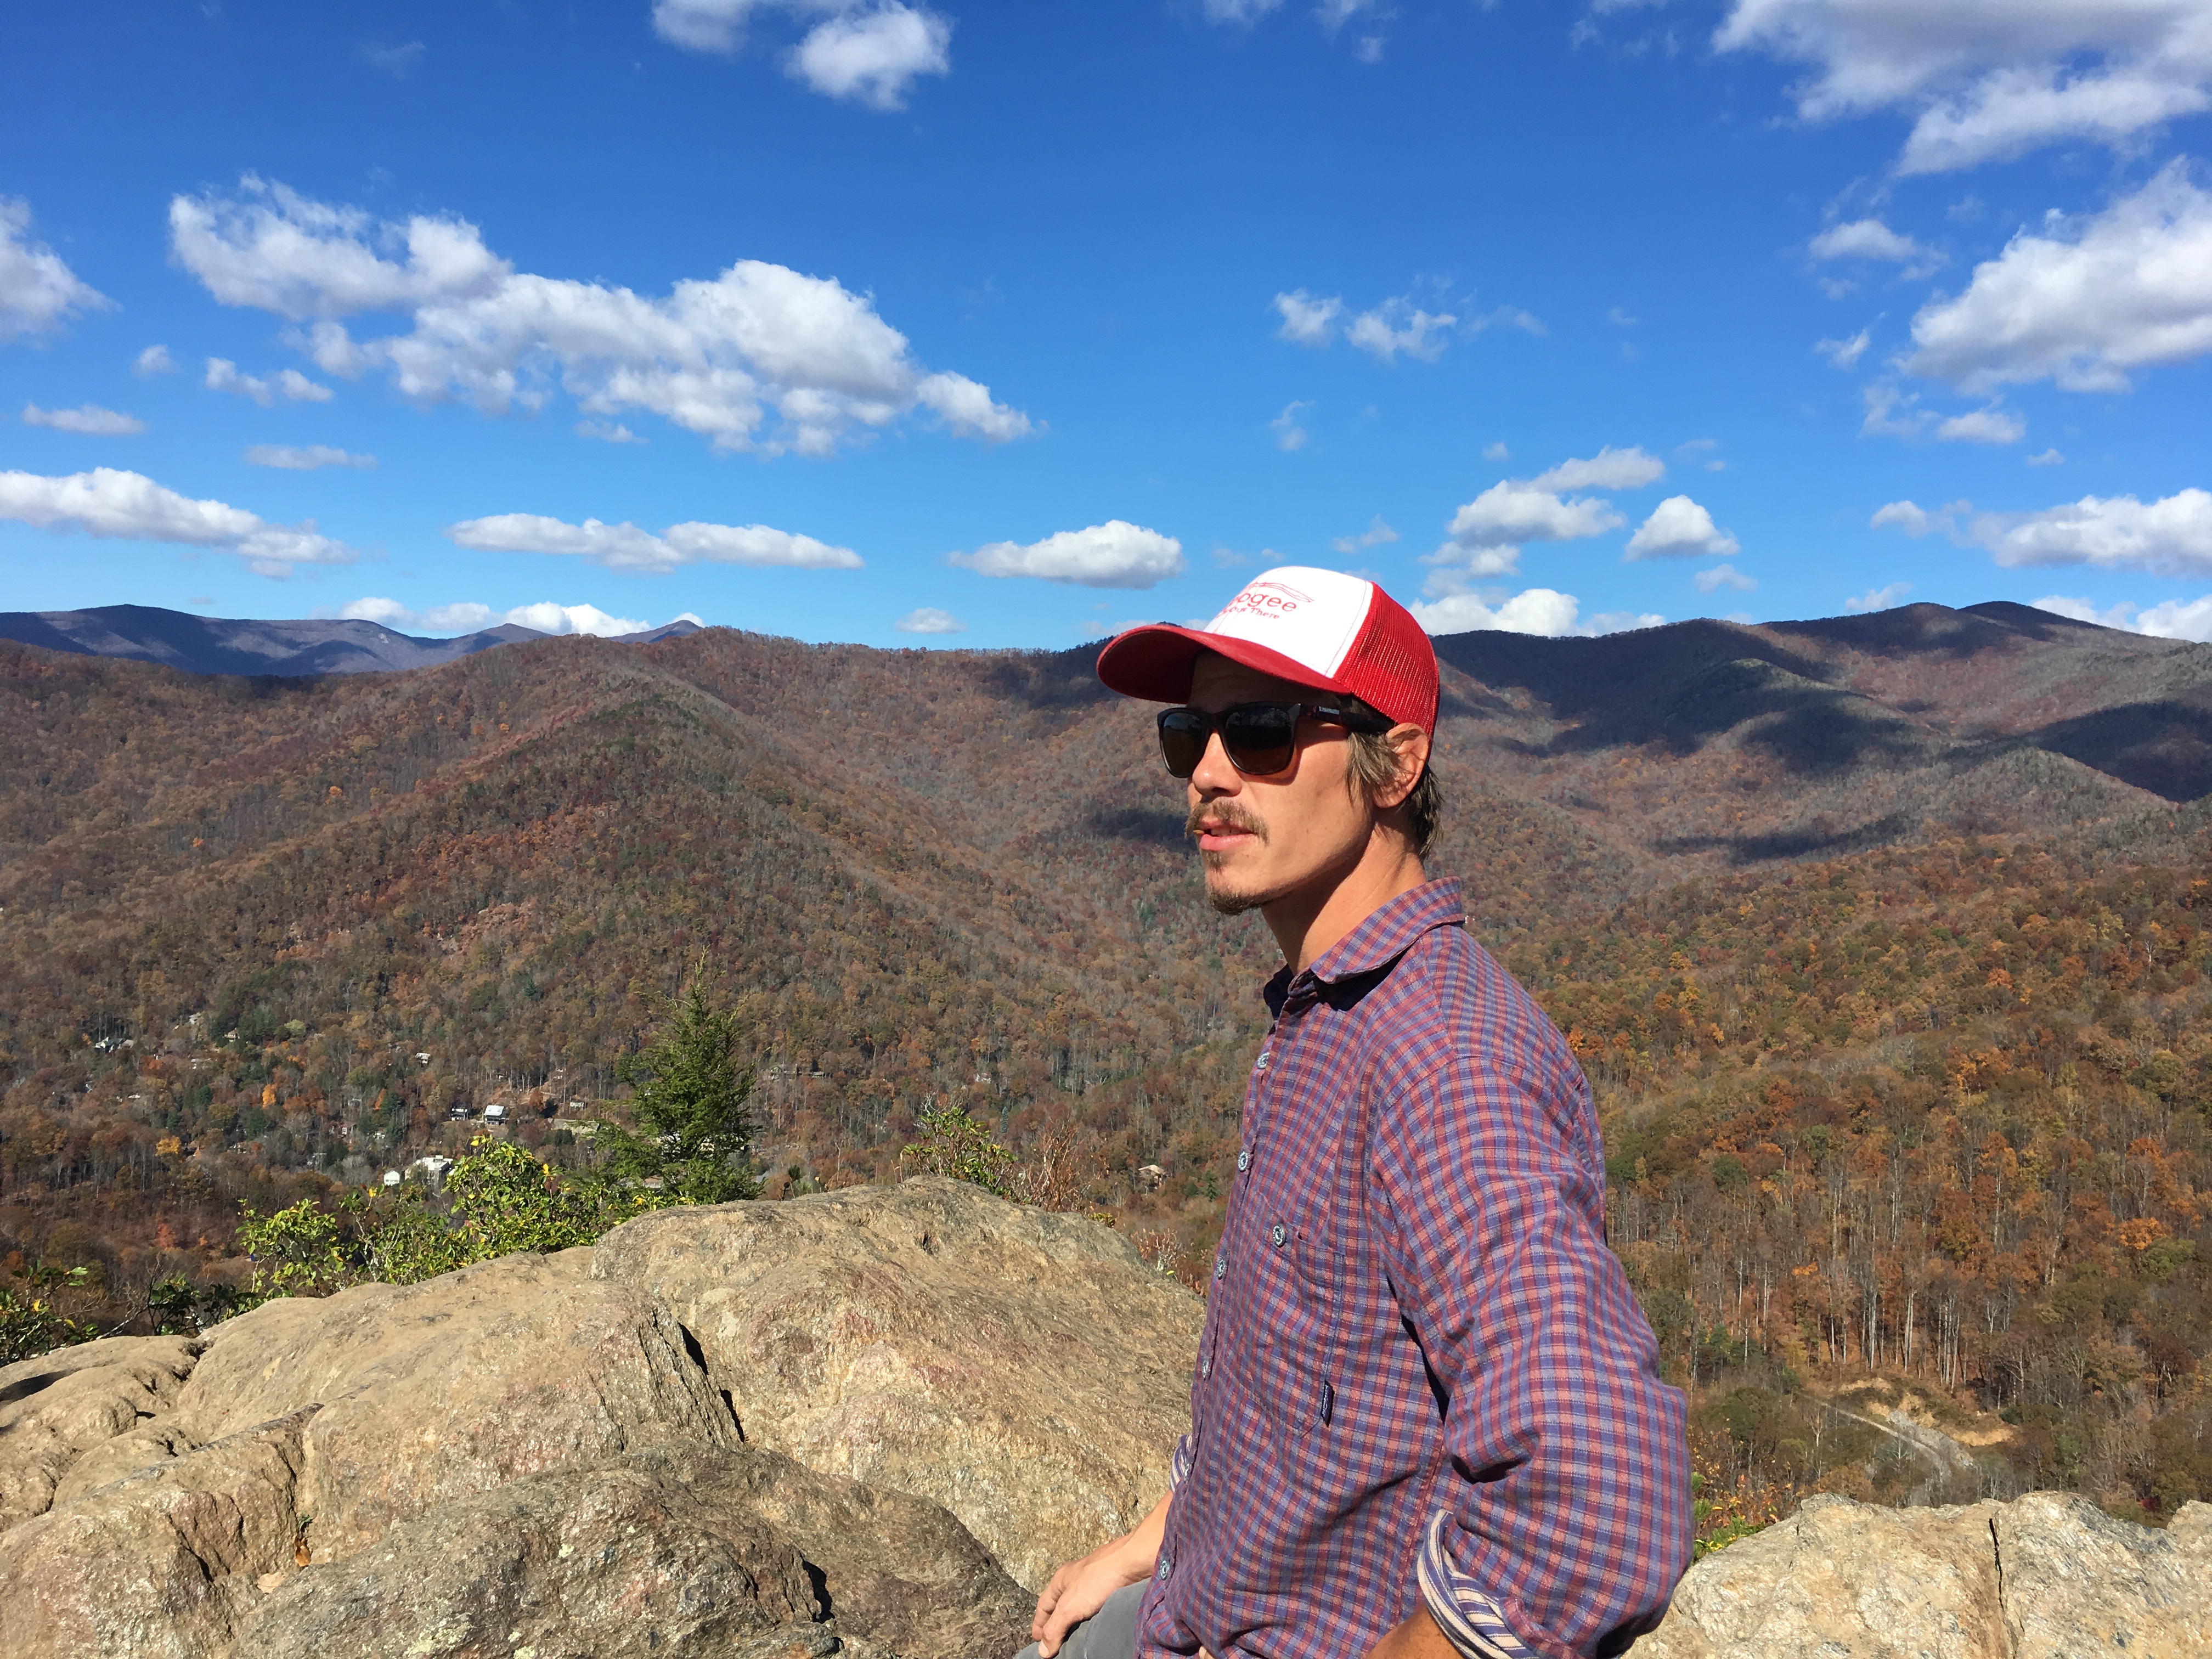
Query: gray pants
(1109, 1633)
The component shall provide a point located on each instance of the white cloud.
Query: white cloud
(1398, 325)
(760, 358)
(1308, 318)
(607, 432)
(1514, 512)
(1609, 469)
(88, 419)
(1724, 576)
(1876, 598)
(469, 617)
(129, 506)
(625, 547)
(548, 617)
(309, 459)
(38, 292)
(928, 619)
(1495, 452)
(1619, 318)
(2129, 288)
(1369, 49)
(1915, 520)
(704, 25)
(2049, 458)
(1377, 534)
(1680, 529)
(1541, 611)
(1334, 15)
(154, 359)
(269, 248)
(1115, 554)
(222, 375)
(398, 62)
(1891, 412)
(2171, 536)
(1289, 434)
(2170, 619)
(1846, 354)
(874, 55)
(870, 50)
(1988, 81)
(1870, 239)
(1984, 426)
(1243, 13)
(1485, 535)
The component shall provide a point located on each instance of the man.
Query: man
(1426, 1418)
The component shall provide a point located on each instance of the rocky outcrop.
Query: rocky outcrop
(1024, 1369)
(585, 1454)
(164, 1562)
(756, 1430)
(61, 1406)
(455, 1386)
(679, 1549)
(2048, 1576)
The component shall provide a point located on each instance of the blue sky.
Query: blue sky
(1005, 324)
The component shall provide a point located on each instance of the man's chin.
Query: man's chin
(1232, 903)
(1230, 897)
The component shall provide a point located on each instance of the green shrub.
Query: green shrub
(952, 1143)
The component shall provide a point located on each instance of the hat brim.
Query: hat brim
(1154, 662)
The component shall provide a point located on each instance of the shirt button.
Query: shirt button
(1263, 1066)
(1278, 1234)
(1243, 1158)
(1205, 1368)
(1221, 1265)
(1166, 1567)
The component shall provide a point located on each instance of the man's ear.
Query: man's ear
(1411, 745)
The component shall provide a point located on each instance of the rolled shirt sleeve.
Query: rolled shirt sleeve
(1562, 1516)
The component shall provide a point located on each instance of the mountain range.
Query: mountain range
(219, 644)
(1880, 938)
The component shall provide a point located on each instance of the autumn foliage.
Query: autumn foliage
(1898, 1040)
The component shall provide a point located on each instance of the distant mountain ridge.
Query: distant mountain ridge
(227, 645)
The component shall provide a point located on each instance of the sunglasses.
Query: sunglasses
(1259, 738)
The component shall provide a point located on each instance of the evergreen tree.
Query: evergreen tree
(695, 1119)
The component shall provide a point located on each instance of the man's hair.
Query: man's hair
(1375, 764)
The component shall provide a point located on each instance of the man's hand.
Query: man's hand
(1080, 1587)
(1417, 1637)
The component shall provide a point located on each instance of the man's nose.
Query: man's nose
(1214, 775)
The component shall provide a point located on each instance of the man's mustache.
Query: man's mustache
(1224, 815)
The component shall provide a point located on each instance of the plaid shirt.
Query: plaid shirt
(1422, 1374)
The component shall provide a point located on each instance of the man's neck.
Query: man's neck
(1307, 923)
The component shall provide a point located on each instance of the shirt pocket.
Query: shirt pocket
(1300, 1354)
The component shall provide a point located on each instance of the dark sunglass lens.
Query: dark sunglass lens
(1260, 740)
(1183, 743)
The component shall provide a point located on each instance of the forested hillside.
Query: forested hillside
(1880, 938)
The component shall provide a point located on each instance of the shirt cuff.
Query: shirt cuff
(1181, 1465)
(1468, 1617)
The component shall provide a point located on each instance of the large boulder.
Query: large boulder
(458, 1385)
(1027, 1370)
(58, 1407)
(687, 1550)
(162, 1564)
(2046, 1576)
(2078, 1582)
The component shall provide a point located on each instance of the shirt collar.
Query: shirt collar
(1387, 934)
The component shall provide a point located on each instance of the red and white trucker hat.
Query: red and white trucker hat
(1319, 628)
